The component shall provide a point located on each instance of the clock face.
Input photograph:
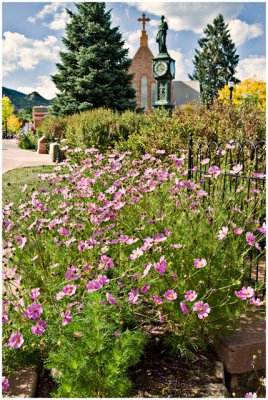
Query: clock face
(160, 68)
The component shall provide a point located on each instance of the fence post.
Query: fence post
(190, 155)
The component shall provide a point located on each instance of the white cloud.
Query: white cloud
(49, 9)
(183, 65)
(18, 51)
(131, 49)
(59, 22)
(241, 32)
(252, 66)
(44, 86)
(187, 15)
(133, 37)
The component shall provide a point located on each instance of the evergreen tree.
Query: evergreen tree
(215, 63)
(94, 68)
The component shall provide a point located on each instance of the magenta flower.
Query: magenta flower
(69, 290)
(200, 263)
(190, 295)
(250, 238)
(103, 280)
(106, 262)
(157, 299)
(66, 317)
(35, 293)
(93, 286)
(262, 229)
(205, 161)
(64, 232)
(161, 265)
(136, 254)
(183, 307)
(256, 302)
(4, 317)
(159, 237)
(34, 311)
(147, 269)
(223, 233)
(250, 395)
(236, 169)
(202, 309)
(145, 288)
(133, 296)
(214, 171)
(39, 328)
(238, 231)
(5, 383)
(21, 241)
(245, 293)
(110, 298)
(170, 295)
(71, 274)
(16, 340)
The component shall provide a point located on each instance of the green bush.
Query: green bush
(52, 128)
(28, 140)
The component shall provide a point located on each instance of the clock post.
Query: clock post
(163, 69)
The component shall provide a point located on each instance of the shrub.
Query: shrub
(27, 140)
(53, 128)
(122, 244)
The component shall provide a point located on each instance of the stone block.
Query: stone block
(236, 350)
(41, 147)
(219, 372)
(215, 390)
(53, 148)
(23, 384)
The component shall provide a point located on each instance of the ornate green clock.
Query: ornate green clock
(163, 69)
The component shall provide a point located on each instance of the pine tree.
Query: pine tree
(215, 63)
(94, 68)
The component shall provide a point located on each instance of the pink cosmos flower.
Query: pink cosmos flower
(71, 273)
(161, 265)
(21, 241)
(250, 395)
(5, 383)
(64, 231)
(133, 296)
(145, 288)
(157, 299)
(159, 237)
(93, 286)
(39, 328)
(262, 229)
(245, 293)
(256, 302)
(66, 317)
(183, 307)
(35, 293)
(191, 295)
(147, 269)
(60, 295)
(214, 171)
(69, 290)
(250, 238)
(200, 263)
(170, 295)
(202, 309)
(110, 298)
(106, 262)
(205, 161)
(16, 340)
(238, 231)
(103, 280)
(202, 193)
(4, 317)
(34, 311)
(136, 254)
(223, 233)
(236, 169)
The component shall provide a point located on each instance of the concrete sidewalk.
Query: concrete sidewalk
(13, 157)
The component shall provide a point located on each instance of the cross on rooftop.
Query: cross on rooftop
(143, 20)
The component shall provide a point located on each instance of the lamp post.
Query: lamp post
(231, 83)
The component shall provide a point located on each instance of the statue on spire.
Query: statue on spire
(161, 35)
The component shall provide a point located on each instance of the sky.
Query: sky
(32, 36)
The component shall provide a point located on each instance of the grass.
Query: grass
(14, 180)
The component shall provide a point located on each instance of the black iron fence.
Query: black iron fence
(242, 165)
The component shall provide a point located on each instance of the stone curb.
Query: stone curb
(23, 384)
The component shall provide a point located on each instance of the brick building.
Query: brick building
(141, 65)
(39, 113)
(182, 92)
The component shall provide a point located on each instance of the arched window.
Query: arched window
(135, 88)
(144, 91)
(153, 94)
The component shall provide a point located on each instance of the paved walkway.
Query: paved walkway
(13, 157)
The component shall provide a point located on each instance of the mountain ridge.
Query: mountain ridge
(25, 101)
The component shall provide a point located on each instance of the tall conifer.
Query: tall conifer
(215, 63)
(94, 68)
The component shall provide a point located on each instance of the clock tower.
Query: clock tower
(163, 69)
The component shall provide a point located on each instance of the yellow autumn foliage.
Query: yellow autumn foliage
(13, 124)
(247, 91)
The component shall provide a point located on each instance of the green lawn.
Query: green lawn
(14, 180)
